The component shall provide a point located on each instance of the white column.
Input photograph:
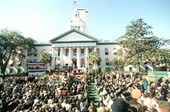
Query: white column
(70, 56)
(95, 49)
(86, 57)
(53, 58)
(78, 57)
(61, 56)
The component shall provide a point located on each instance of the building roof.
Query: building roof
(54, 40)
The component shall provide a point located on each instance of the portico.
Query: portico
(68, 54)
(72, 49)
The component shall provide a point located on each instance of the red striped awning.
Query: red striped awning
(107, 60)
(56, 48)
(106, 50)
(73, 47)
(90, 47)
(81, 47)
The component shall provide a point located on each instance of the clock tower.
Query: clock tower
(79, 20)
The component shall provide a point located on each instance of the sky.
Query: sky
(44, 20)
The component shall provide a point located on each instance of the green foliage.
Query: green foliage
(45, 57)
(98, 70)
(103, 70)
(58, 79)
(108, 69)
(71, 80)
(91, 71)
(139, 44)
(94, 58)
(118, 64)
(87, 77)
(12, 45)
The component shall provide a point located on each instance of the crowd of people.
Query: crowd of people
(115, 92)
(28, 94)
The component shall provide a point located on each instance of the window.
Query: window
(82, 62)
(98, 50)
(28, 53)
(35, 53)
(75, 27)
(74, 52)
(19, 70)
(28, 60)
(58, 52)
(66, 52)
(82, 52)
(115, 53)
(130, 69)
(11, 70)
(35, 60)
(114, 48)
(90, 50)
(107, 61)
(106, 51)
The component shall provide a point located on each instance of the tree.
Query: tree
(139, 44)
(45, 58)
(94, 58)
(118, 64)
(13, 45)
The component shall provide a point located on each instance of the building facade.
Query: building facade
(70, 48)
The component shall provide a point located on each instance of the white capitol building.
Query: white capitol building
(72, 47)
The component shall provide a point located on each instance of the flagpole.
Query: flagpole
(74, 3)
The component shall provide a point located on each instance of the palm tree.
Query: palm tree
(118, 64)
(45, 58)
(94, 58)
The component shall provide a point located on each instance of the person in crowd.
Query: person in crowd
(28, 94)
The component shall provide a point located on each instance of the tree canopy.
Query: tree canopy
(12, 45)
(118, 64)
(94, 58)
(139, 44)
(45, 57)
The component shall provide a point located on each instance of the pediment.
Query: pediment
(73, 36)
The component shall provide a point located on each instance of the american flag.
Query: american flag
(74, 2)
